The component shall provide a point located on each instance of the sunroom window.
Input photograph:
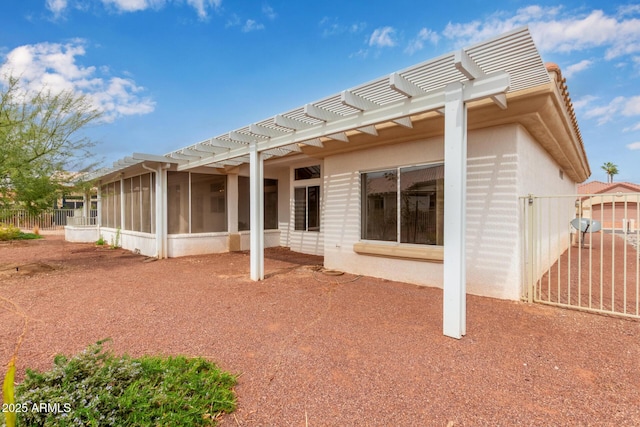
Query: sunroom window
(404, 205)
(196, 203)
(270, 204)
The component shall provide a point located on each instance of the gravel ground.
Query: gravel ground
(319, 350)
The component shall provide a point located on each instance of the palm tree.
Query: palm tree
(611, 170)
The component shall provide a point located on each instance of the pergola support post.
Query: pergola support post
(256, 191)
(161, 211)
(455, 180)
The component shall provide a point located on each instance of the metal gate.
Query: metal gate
(593, 268)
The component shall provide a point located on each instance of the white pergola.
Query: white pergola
(445, 84)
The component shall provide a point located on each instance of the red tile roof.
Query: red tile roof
(597, 187)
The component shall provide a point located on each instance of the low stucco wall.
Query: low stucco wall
(271, 239)
(177, 244)
(143, 243)
(212, 243)
(81, 234)
(196, 244)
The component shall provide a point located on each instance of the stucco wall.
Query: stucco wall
(271, 239)
(503, 163)
(341, 226)
(131, 240)
(492, 212)
(196, 244)
(540, 176)
(80, 234)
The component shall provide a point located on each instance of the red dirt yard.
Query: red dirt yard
(320, 350)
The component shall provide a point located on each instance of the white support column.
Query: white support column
(455, 181)
(160, 191)
(256, 191)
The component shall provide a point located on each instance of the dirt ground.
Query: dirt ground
(318, 350)
(601, 274)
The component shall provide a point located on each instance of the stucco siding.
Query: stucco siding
(144, 243)
(343, 211)
(500, 161)
(492, 212)
(196, 244)
(540, 175)
(80, 234)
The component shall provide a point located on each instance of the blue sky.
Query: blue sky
(170, 73)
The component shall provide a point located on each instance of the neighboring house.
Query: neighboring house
(414, 177)
(614, 204)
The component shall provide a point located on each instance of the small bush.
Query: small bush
(10, 232)
(97, 388)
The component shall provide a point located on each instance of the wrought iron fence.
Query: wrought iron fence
(53, 219)
(589, 259)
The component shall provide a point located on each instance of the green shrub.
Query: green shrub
(98, 389)
(9, 232)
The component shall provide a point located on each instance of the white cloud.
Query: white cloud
(605, 113)
(53, 67)
(129, 5)
(362, 53)
(357, 27)
(251, 25)
(619, 106)
(332, 27)
(464, 34)
(631, 107)
(576, 68)
(631, 9)
(634, 146)
(556, 30)
(233, 21)
(269, 12)
(583, 102)
(382, 37)
(417, 43)
(202, 7)
(118, 98)
(56, 6)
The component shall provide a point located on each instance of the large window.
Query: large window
(270, 204)
(404, 205)
(197, 203)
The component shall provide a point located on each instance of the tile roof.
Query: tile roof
(597, 187)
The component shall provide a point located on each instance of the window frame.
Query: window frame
(307, 204)
(397, 170)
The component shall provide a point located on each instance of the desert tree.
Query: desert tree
(40, 141)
